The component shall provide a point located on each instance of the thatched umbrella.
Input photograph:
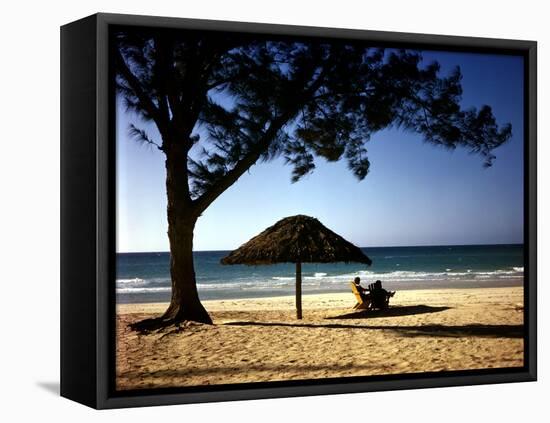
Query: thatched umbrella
(296, 239)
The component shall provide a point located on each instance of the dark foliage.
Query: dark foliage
(261, 99)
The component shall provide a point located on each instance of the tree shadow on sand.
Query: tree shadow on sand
(434, 330)
(246, 366)
(476, 330)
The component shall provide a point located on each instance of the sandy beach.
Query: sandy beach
(258, 340)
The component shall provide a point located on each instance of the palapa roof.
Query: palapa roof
(296, 239)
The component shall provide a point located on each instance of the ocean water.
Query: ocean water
(145, 277)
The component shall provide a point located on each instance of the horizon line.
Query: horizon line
(387, 246)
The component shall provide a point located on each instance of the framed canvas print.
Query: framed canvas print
(259, 211)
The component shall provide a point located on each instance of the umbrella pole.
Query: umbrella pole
(298, 290)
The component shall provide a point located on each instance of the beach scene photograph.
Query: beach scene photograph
(298, 209)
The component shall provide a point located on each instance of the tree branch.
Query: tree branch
(145, 101)
(202, 202)
(141, 136)
(229, 178)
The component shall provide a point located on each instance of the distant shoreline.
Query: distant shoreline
(145, 277)
(405, 286)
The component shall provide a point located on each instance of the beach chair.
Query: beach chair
(381, 302)
(361, 303)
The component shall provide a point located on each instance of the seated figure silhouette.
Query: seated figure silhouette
(363, 292)
(380, 298)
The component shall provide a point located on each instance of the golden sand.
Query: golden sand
(258, 340)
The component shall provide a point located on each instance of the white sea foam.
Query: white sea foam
(134, 281)
(518, 269)
(319, 280)
(143, 290)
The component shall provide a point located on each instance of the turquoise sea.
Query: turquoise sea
(145, 277)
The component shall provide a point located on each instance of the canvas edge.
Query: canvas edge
(531, 204)
(78, 311)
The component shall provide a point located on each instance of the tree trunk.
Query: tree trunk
(298, 290)
(185, 303)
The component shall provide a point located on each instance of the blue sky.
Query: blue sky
(415, 193)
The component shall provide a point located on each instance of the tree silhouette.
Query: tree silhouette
(296, 99)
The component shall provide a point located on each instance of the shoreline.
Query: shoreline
(487, 284)
(145, 277)
(260, 340)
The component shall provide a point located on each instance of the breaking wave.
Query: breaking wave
(320, 280)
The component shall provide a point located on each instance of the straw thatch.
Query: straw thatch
(296, 239)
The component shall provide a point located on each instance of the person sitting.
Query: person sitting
(380, 298)
(363, 292)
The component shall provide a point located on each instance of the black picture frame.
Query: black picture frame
(88, 218)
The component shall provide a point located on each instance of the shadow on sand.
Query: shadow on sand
(391, 312)
(433, 330)
(481, 331)
(246, 366)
